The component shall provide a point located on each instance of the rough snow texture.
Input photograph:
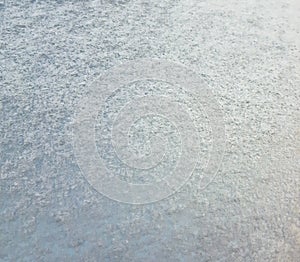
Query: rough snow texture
(248, 54)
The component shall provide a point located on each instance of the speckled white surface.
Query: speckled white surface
(248, 54)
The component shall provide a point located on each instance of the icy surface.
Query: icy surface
(248, 54)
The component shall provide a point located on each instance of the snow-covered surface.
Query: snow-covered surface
(246, 52)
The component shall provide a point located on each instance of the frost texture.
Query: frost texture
(248, 54)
